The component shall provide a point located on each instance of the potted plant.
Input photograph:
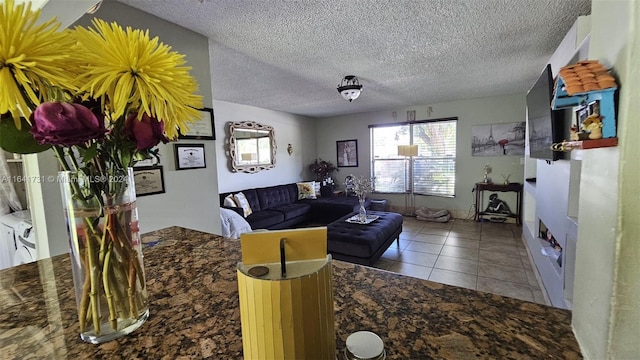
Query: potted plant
(323, 169)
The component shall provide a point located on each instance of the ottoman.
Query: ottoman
(363, 243)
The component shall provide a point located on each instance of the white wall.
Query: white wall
(606, 315)
(288, 128)
(469, 169)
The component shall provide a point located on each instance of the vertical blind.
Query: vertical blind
(434, 168)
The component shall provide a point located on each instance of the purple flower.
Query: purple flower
(61, 123)
(146, 132)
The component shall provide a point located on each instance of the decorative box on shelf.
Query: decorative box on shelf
(605, 98)
(589, 88)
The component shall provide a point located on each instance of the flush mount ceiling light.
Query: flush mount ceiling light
(350, 88)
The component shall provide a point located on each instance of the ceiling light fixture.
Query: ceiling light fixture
(350, 88)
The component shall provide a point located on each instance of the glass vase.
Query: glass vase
(362, 212)
(106, 254)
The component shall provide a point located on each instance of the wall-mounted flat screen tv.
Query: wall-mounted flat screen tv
(545, 125)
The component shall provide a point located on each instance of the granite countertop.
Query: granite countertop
(194, 311)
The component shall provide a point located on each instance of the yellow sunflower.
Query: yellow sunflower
(132, 72)
(33, 60)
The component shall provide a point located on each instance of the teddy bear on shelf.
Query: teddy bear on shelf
(592, 126)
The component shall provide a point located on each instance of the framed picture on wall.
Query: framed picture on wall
(203, 129)
(189, 156)
(347, 151)
(498, 139)
(149, 180)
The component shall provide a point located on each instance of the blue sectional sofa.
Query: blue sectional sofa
(278, 207)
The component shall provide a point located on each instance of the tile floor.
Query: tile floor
(489, 257)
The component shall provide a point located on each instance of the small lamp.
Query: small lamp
(408, 151)
(350, 88)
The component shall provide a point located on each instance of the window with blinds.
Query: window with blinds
(432, 172)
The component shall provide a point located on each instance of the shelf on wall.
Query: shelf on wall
(585, 144)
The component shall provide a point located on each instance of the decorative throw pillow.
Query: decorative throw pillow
(306, 190)
(228, 201)
(316, 187)
(242, 202)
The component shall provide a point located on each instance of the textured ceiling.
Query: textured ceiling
(291, 55)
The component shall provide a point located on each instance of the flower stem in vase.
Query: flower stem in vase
(107, 260)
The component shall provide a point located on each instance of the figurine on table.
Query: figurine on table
(498, 206)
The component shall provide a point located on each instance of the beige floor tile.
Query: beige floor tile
(499, 247)
(432, 231)
(538, 297)
(522, 246)
(409, 232)
(417, 258)
(437, 225)
(465, 234)
(453, 278)
(421, 272)
(500, 239)
(497, 234)
(484, 256)
(460, 252)
(532, 279)
(514, 290)
(383, 264)
(494, 226)
(501, 272)
(408, 235)
(467, 224)
(434, 239)
(402, 244)
(462, 242)
(457, 264)
(392, 253)
(499, 258)
(424, 247)
(412, 224)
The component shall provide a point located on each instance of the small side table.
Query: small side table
(511, 187)
(338, 192)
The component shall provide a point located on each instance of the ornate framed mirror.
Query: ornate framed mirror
(252, 146)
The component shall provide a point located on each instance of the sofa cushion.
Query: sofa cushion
(277, 195)
(242, 202)
(229, 201)
(264, 219)
(294, 210)
(306, 190)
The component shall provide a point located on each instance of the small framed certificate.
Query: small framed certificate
(203, 129)
(189, 156)
(149, 180)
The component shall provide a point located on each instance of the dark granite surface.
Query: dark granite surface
(194, 311)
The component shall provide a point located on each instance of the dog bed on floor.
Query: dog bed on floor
(435, 215)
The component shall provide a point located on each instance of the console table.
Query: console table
(194, 311)
(511, 187)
